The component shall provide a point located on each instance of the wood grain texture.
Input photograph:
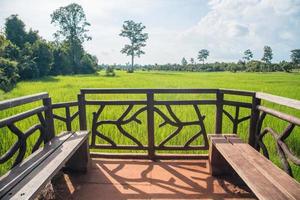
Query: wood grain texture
(12, 177)
(256, 180)
(32, 184)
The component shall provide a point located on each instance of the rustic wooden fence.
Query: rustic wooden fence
(151, 106)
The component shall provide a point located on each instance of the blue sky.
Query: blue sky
(177, 28)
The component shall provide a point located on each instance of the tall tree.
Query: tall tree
(192, 60)
(203, 55)
(268, 55)
(184, 62)
(248, 55)
(72, 24)
(134, 32)
(14, 30)
(295, 56)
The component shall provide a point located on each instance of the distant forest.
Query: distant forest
(26, 55)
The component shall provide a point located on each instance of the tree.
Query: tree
(248, 55)
(61, 61)
(184, 62)
(72, 24)
(268, 55)
(295, 57)
(134, 32)
(8, 74)
(15, 30)
(203, 55)
(192, 60)
(42, 56)
(32, 36)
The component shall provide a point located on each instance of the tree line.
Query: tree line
(26, 55)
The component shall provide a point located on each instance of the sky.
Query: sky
(176, 28)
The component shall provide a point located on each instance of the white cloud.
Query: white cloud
(230, 27)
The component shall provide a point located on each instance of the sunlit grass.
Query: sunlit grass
(66, 88)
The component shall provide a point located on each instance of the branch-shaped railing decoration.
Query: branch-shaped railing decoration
(236, 120)
(284, 152)
(180, 125)
(20, 145)
(68, 119)
(121, 121)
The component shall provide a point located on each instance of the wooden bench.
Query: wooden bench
(26, 180)
(265, 179)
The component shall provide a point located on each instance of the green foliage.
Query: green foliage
(268, 55)
(248, 55)
(134, 32)
(8, 74)
(110, 71)
(295, 56)
(184, 62)
(203, 55)
(286, 66)
(42, 56)
(89, 64)
(72, 23)
(61, 61)
(15, 30)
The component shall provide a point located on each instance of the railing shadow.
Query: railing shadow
(134, 179)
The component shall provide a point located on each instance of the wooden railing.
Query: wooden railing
(90, 115)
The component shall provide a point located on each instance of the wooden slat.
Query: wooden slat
(32, 184)
(65, 104)
(146, 156)
(261, 186)
(20, 116)
(279, 100)
(278, 177)
(10, 103)
(280, 115)
(12, 177)
(143, 91)
(237, 92)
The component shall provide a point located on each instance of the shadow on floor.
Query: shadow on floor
(138, 179)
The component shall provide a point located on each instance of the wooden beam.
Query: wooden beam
(10, 103)
(292, 103)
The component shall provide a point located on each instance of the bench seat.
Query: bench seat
(27, 179)
(264, 178)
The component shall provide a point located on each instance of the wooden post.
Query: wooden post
(50, 133)
(80, 161)
(82, 112)
(150, 123)
(219, 112)
(253, 121)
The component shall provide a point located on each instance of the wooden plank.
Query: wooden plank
(280, 115)
(64, 104)
(237, 92)
(127, 102)
(10, 103)
(293, 103)
(143, 91)
(277, 176)
(261, 186)
(186, 102)
(20, 116)
(236, 103)
(12, 177)
(145, 156)
(32, 184)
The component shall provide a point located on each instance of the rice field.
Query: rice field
(66, 88)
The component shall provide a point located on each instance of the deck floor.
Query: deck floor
(143, 179)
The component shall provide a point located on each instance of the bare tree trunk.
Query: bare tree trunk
(132, 61)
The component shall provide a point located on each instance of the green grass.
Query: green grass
(66, 88)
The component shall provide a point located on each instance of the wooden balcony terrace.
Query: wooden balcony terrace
(85, 162)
